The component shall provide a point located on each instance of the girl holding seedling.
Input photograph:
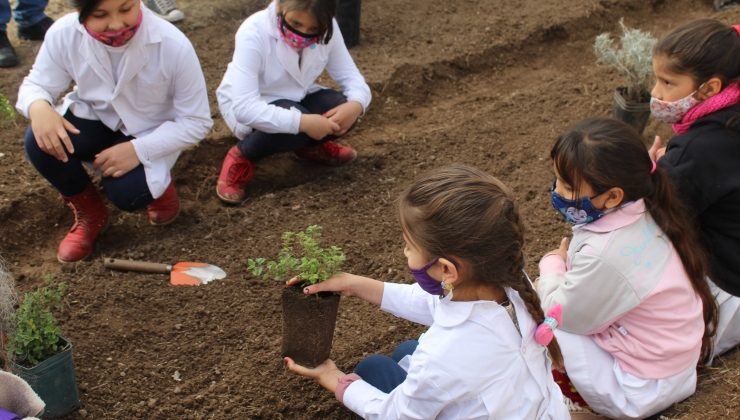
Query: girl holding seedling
(269, 97)
(697, 70)
(479, 358)
(637, 313)
(139, 100)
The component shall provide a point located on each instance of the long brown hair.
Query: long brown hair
(703, 49)
(606, 153)
(467, 215)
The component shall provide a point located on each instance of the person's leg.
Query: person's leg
(8, 57)
(381, 371)
(404, 349)
(73, 182)
(4, 15)
(70, 178)
(728, 327)
(129, 192)
(31, 20)
(257, 145)
(609, 390)
(326, 151)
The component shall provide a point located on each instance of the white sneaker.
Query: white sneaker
(166, 9)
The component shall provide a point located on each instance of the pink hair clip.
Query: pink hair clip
(737, 28)
(654, 167)
(544, 332)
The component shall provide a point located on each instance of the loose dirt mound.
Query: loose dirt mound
(483, 82)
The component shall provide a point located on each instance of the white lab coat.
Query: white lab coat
(160, 98)
(265, 69)
(472, 363)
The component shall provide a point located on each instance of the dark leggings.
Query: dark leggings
(129, 192)
(383, 372)
(257, 145)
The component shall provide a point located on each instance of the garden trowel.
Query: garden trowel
(181, 274)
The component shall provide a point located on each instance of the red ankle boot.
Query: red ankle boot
(165, 209)
(236, 172)
(91, 217)
(328, 153)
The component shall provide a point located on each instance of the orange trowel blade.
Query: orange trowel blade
(194, 274)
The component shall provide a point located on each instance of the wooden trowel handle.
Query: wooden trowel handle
(131, 265)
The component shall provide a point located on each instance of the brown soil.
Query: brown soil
(483, 82)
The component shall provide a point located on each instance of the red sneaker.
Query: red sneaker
(328, 153)
(236, 172)
(91, 217)
(165, 209)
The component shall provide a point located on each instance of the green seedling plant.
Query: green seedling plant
(633, 59)
(36, 334)
(7, 112)
(301, 256)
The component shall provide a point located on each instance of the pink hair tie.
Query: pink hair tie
(736, 28)
(655, 166)
(544, 332)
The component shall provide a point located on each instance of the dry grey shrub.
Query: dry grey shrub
(633, 58)
(8, 298)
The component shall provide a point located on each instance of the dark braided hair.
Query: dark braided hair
(467, 215)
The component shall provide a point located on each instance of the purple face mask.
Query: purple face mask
(427, 283)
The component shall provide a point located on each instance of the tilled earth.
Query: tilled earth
(483, 82)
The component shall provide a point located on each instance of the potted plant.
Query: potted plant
(633, 60)
(308, 320)
(39, 354)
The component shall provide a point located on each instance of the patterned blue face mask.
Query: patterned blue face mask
(575, 212)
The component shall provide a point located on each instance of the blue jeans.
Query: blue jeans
(26, 12)
(257, 145)
(382, 371)
(129, 192)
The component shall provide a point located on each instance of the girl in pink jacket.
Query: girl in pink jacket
(637, 313)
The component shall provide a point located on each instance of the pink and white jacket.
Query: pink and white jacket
(624, 285)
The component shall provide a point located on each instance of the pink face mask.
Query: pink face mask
(117, 38)
(672, 112)
(294, 38)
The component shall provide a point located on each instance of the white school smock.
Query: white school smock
(160, 98)
(265, 69)
(472, 363)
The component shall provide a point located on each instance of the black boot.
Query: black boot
(36, 31)
(7, 53)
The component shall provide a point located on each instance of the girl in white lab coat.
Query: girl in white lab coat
(268, 96)
(139, 99)
(483, 355)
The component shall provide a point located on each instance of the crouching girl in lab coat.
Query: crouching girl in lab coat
(139, 99)
(269, 97)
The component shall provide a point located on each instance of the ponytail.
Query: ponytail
(671, 216)
(532, 303)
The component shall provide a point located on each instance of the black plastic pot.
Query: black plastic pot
(348, 18)
(54, 381)
(633, 113)
(308, 325)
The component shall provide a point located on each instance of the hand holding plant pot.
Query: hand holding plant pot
(633, 60)
(308, 321)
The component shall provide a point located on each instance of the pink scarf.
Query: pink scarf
(727, 97)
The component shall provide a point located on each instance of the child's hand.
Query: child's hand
(50, 130)
(117, 161)
(657, 150)
(326, 373)
(317, 126)
(344, 115)
(337, 283)
(562, 252)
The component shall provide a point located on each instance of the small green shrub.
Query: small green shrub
(301, 255)
(633, 59)
(7, 112)
(36, 334)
